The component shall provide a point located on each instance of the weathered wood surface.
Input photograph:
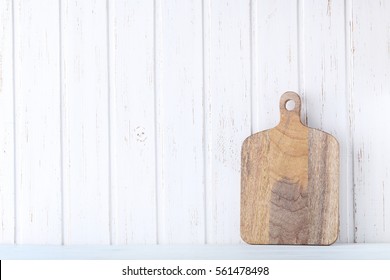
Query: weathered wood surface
(7, 162)
(108, 107)
(290, 183)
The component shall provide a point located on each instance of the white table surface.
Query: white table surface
(336, 251)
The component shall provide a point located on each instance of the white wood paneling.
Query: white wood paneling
(7, 197)
(181, 217)
(370, 95)
(37, 123)
(85, 106)
(322, 51)
(132, 122)
(275, 63)
(121, 122)
(227, 112)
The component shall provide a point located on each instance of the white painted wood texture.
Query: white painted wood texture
(180, 178)
(7, 171)
(121, 122)
(275, 58)
(369, 51)
(37, 123)
(85, 130)
(227, 113)
(132, 119)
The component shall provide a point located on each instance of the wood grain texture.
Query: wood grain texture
(132, 122)
(85, 136)
(230, 60)
(369, 87)
(289, 183)
(323, 87)
(7, 171)
(275, 58)
(37, 123)
(227, 113)
(179, 78)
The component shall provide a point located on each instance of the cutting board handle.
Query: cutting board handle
(292, 114)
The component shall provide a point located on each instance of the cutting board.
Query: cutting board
(290, 182)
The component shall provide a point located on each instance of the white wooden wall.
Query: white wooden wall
(121, 122)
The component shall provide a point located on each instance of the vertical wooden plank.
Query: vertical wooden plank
(254, 89)
(322, 46)
(85, 122)
(133, 161)
(6, 124)
(37, 122)
(276, 52)
(370, 52)
(227, 111)
(180, 122)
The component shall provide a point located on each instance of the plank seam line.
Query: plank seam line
(348, 15)
(61, 123)
(110, 223)
(14, 118)
(205, 134)
(253, 45)
(301, 57)
(251, 64)
(156, 133)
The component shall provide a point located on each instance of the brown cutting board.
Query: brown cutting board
(290, 183)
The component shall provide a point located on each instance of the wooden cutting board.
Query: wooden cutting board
(290, 183)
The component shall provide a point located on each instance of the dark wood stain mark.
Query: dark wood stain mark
(288, 214)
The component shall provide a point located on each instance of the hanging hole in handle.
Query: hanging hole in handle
(289, 105)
